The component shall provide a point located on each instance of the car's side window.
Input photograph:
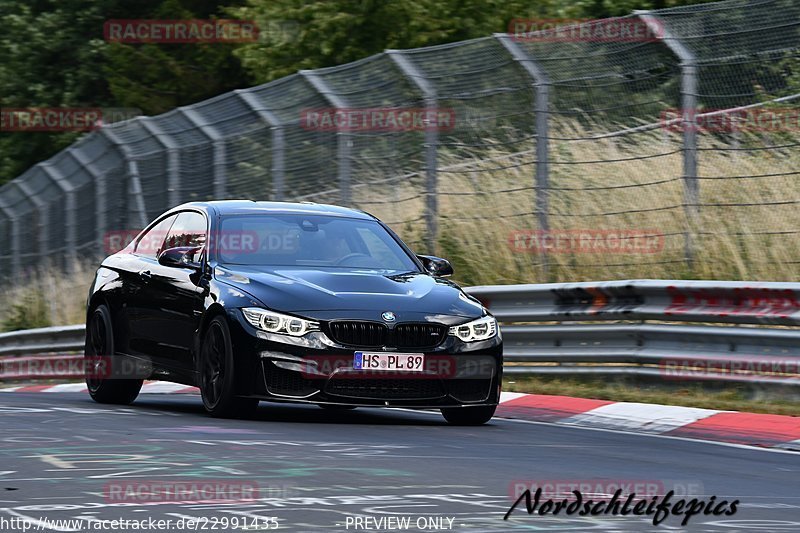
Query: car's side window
(378, 249)
(188, 230)
(149, 244)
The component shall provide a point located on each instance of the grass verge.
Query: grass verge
(47, 296)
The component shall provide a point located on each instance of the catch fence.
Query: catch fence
(560, 152)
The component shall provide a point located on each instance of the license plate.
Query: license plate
(406, 362)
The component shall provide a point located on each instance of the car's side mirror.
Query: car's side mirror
(436, 266)
(179, 257)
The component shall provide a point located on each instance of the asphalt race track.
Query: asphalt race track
(317, 470)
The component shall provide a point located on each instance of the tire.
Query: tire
(100, 343)
(217, 374)
(469, 416)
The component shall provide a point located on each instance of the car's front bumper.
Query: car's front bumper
(321, 372)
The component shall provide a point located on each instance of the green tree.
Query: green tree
(158, 77)
(53, 54)
(306, 34)
(49, 56)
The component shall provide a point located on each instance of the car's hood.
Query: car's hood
(317, 293)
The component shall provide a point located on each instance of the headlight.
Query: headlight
(277, 323)
(477, 330)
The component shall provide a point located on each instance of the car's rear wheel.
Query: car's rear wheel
(469, 416)
(217, 374)
(98, 351)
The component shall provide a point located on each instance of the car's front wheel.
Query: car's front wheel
(469, 416)
(98, 353)
(217, 374)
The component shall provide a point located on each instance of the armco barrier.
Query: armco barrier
(725, 302)
(42, 340)
(704, 330)
(592, 329)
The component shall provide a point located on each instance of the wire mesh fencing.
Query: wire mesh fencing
(663, 145)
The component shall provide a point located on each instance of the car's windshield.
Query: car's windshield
(298, 240)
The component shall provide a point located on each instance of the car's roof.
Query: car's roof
(244, 207)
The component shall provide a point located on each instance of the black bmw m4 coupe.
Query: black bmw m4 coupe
(291, 302)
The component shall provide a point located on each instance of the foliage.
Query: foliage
(50, 55)
(52, 52)
(47, 296)
(306, 34)
(29, 313)
(158, 77)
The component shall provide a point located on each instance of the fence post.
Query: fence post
(173, 160)
(136, 191)
(16, 260)
(541, 86)
(278, 141)
(278, 164)
(100, 195)
(218, 146)
(70, 213)
(134, 181)
(431, 145)
(688, 61)
(14, 237)
(344, 144)
(44, 218)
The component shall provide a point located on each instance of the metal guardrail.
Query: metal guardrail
(40, 354)
(598, 328)
(677, 99)
(726, 302)
(703, 330)
(42, 340)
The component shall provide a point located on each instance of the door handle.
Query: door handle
(145, 275)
